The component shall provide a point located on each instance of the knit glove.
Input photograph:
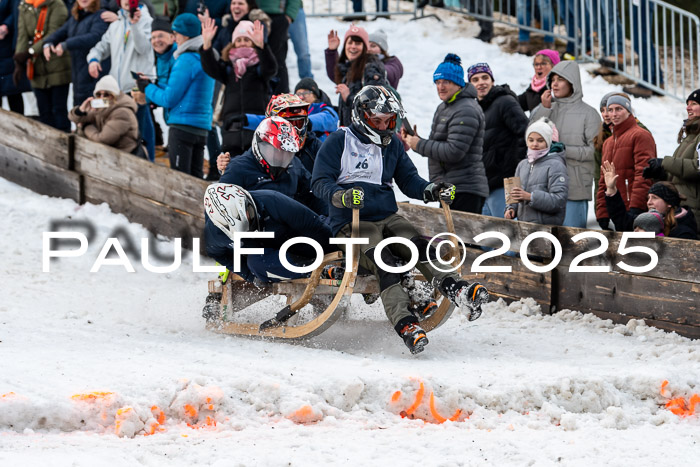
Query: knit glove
(141, 83)
(440, 191)
(655, 171)
(352, 198)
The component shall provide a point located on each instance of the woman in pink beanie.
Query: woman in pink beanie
(543, 63)
(246, 66)
(354, 68)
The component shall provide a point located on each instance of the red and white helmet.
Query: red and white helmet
(291, 108)
(275, 144)
(231, 208)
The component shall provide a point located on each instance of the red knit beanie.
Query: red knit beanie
(357, 31)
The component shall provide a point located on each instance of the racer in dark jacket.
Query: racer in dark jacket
(355, 169)
(230, 209)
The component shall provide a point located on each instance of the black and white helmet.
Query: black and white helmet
(231, 208)
(376, 101)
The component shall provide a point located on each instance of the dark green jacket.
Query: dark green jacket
(57, 71)
(682, 168)
(276, 7)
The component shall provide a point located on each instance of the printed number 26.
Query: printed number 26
(362, 165)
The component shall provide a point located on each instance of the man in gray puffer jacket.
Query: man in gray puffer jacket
(455, 145)
(578, 123)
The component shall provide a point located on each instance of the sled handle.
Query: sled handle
(451, 229)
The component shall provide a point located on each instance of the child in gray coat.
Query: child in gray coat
(543, 176)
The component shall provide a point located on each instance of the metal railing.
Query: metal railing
(649, 41)
(360, 9)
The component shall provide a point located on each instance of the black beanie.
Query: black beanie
(665, 193)
(161, 23)
(310, 84)
(694, 96)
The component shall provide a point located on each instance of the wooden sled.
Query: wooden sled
(237, 294)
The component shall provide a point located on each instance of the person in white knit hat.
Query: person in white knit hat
(543, 177)
(109, 117)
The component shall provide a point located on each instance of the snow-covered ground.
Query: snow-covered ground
(91, 362)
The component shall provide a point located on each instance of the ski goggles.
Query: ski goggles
(377, 120)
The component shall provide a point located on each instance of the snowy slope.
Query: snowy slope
(532, 389)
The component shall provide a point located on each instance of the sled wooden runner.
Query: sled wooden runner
(306, 290)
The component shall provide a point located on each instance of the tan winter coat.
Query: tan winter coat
(114, 126)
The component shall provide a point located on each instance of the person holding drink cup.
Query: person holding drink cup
(545, 181)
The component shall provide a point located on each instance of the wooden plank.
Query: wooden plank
(430, 221)
(175, 189)
(692, 332)
(156, 217)
(521, 282)
(38, 175)
(678, 259)
(34, 138)
(630, 295)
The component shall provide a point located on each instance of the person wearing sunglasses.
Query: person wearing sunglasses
(109, 117)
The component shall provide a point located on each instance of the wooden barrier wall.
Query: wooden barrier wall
(52, 163)
(168, 202)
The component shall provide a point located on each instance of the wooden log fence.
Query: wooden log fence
(169, 203)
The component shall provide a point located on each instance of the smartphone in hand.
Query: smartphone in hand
(133, 7)
(98, 104)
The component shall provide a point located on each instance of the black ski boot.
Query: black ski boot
(212, 308)
(422, 303)
(462, 294)
(414, 337)
(333, 271)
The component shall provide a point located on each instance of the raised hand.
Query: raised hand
(547, 99)
(222, 161)
(258, 34)
(610, 177)
(85, 106)
(333, 40)
(208, 32)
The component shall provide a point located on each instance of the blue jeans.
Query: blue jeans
(524, 12)
(569, 10)
(357, 5)
(612, 39)
(495, 205)
(576, 214)
(300, 41)
(647, 49)
(147, 130)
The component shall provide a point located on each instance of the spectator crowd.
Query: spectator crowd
(219, 73)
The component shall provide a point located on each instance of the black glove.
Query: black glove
(19, 73)
(604, 223)
(655, 171)
(22, 57)
(141, 83)
(235, 122)
(635, 212)
(440, 191)
(352, 198)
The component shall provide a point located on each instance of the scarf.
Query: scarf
(190, 45)
(534, 155)
(538, 84)
(35, 3)
(241, 58)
